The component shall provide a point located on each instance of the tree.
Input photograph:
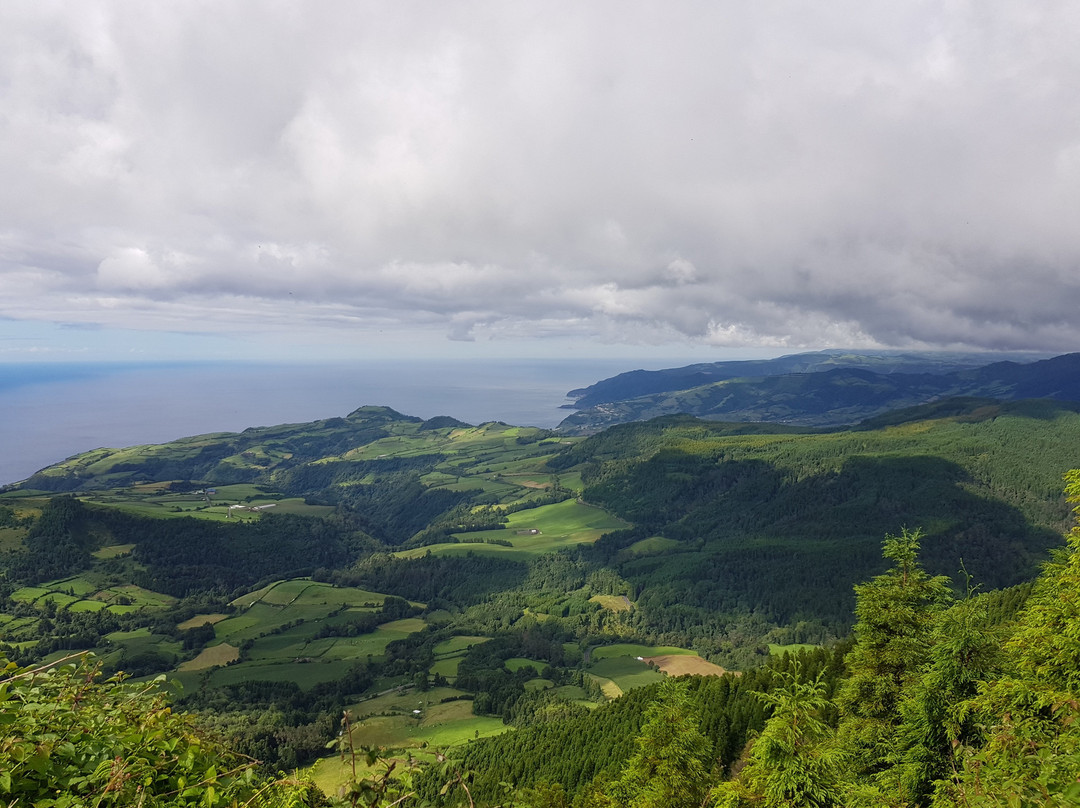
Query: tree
(669, 768)
(794, 762)
(1031, 755)
(937, 727)
(75, 741)
(894, 618)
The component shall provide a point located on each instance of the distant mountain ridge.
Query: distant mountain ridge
(823, 389)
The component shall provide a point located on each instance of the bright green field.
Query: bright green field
(631, 650)
(517, 663)
(440, 726)
(305, 674)
(303, 591)
(626, 672)
(651, 546)
(563, 524)
(447, 667)
(87, 597)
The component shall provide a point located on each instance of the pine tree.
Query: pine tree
(669, 768)
(1032, 752)
(893, 636)
(794, 762)
(938, 728)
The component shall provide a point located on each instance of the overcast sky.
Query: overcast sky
(335, 179)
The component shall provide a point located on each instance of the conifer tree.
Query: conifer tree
(937, 728)
(794, 762)
(893, 635)
(669, 768)
(1032, 752)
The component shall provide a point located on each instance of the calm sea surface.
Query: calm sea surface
(50, 412)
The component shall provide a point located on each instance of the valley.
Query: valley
(444, 588)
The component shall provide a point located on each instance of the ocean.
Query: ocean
(49, 412)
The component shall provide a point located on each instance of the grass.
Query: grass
(443, 728)
(563, 524)
(515, 664)
(457, 644)
(215, 655)
(11, 538)
(607, 687)
(632, 650)
(28, 594)
(80, 593)
(113, 550)
(685, 664)
(654, 545)
(626, 672)
(306, 591)
(304, 674)
(446, 667)
(201, 620)
(614, 603)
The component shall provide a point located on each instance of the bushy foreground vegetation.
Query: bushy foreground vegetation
(70, 739)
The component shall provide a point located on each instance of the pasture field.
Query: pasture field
(653, 545)
(154, 500)
(278, 626)
(215, 655)
(304, 591)
(113, 551)
(685, 664)
(458, 644)
(614, 603)
(532, 532)
(515, 664)
(141, 641)
(28, 594)
(201, 620)
(449, 653)
(447, 667)
(305, 674)
(632, 650)
(402, 701)
(625, 671)
(444, 720)
(607, 686)
(82, 593)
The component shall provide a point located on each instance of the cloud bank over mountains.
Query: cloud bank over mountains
(730, 174)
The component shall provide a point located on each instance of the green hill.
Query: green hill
(816, 389)
(443, 581)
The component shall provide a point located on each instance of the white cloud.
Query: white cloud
(714, 173)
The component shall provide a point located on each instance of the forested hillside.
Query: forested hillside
(785, 523)
(816, 389)
(510, 609)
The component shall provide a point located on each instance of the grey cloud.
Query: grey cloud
(734, 174)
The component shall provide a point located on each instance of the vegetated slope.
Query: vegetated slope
(824, 396)
(386, 474)
(570, 747)
(780, 526)
(636, 383)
